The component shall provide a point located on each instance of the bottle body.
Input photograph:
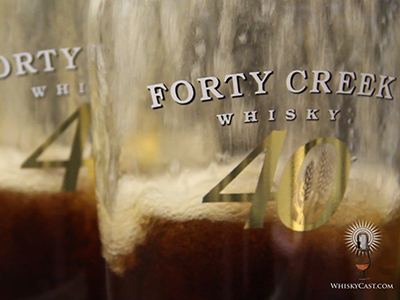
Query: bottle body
(48, 225)
(236, 142)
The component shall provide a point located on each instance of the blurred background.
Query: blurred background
(50, 247)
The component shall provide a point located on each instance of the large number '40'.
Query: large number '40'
(291, 211)
(72, 166)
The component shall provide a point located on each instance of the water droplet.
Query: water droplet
(200, 49)
(243, 38)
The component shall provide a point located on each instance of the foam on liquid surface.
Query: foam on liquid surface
(372, 192)
(13, 177)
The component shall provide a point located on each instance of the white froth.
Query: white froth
(175, 196)
(179, 197)
(13, 177)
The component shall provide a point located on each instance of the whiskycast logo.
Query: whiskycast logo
(362, 286)
(362, 238)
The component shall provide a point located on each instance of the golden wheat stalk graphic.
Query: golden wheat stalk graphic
(314, 188)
